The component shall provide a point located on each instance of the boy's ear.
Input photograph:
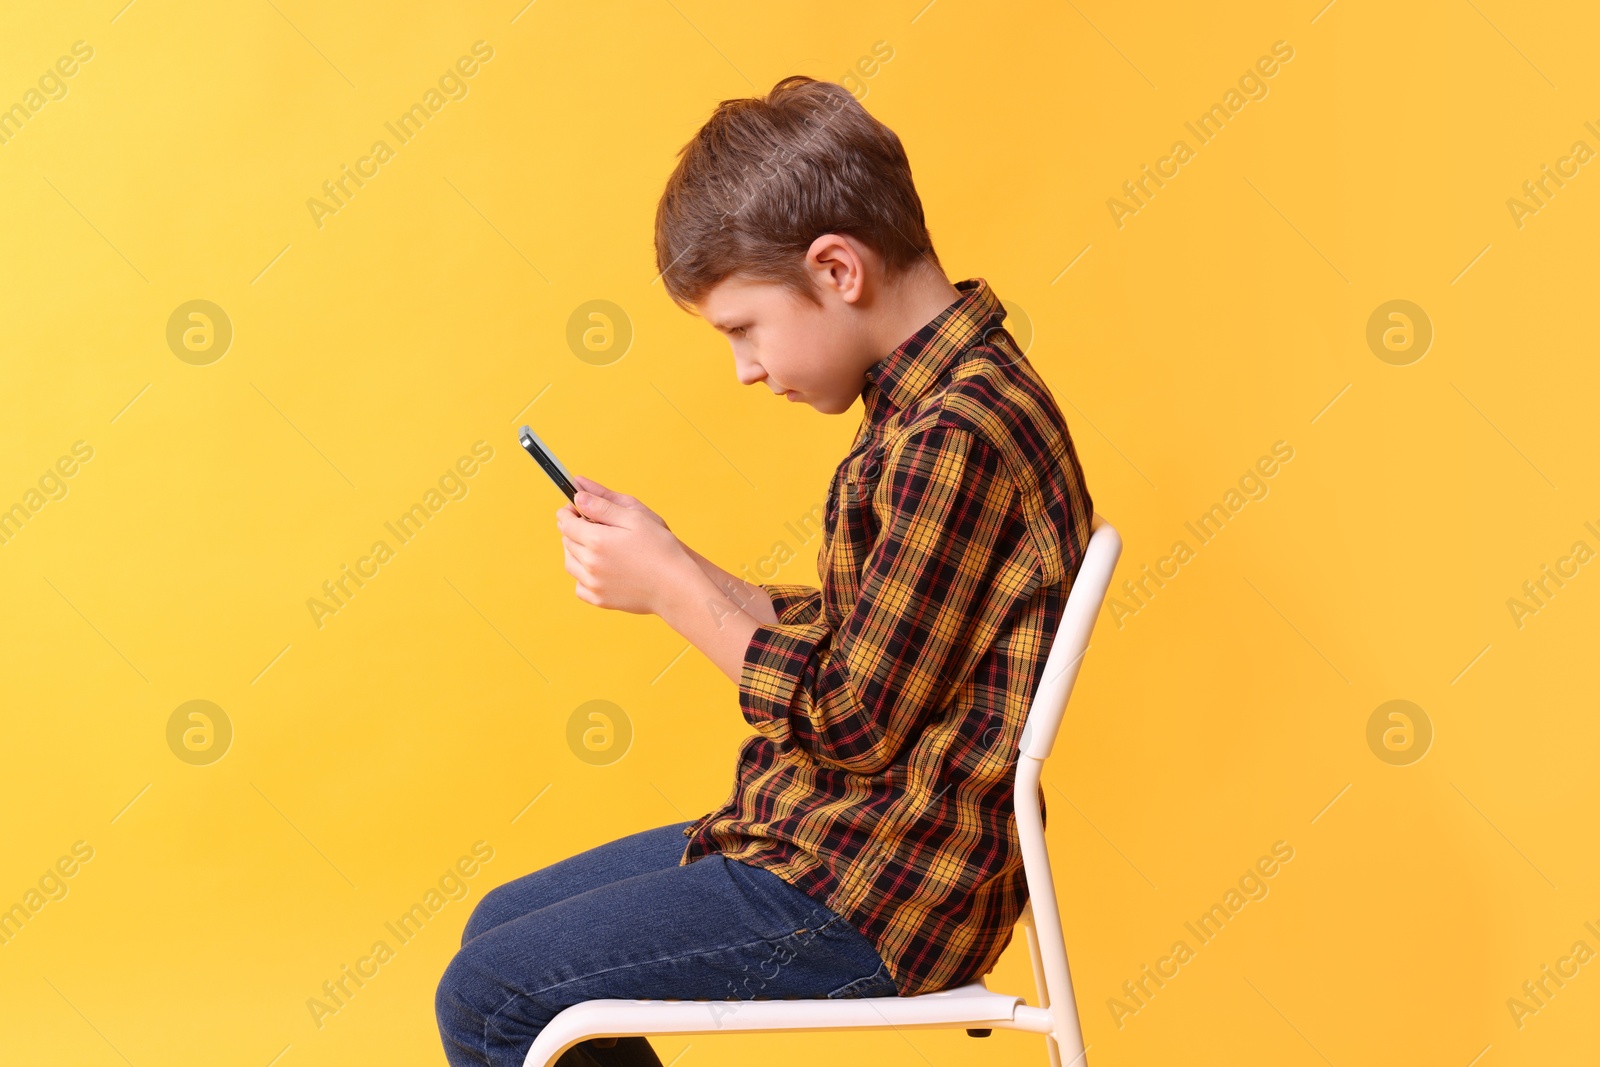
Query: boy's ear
(838, 264)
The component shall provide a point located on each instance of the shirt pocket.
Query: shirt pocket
(856, 525)
(862, 473)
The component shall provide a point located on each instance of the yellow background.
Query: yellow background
(368, 354)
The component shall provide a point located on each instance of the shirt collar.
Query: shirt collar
(920, 361)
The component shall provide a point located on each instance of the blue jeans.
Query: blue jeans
(624, 920)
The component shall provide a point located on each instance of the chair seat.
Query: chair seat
(971, 1004)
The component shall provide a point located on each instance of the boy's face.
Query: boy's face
(809, 353)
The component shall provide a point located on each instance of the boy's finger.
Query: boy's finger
(606, 512)
(612, 495)
(606, 493)
(583, 481)
(577, 532)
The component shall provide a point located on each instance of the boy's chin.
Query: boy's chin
(825, 405)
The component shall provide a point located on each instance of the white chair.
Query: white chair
(972, 1006)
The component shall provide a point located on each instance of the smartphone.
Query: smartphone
(548, 461)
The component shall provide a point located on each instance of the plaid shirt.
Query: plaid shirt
(889, 703)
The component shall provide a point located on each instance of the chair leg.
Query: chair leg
(1052, 1046)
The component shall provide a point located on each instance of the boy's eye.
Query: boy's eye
(737, 331)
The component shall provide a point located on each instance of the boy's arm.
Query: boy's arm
(717, 612)
(693, 603)
(740, 593)
(770, 601)
(947, 572)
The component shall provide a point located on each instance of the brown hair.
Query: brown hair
(766, 176)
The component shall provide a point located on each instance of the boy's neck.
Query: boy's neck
(910, 302)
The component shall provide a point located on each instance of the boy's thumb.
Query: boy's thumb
(596, 507)
(593, 488)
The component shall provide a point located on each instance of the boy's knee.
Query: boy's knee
(481, 1008)
(452, 1009)
(485, 915)
(444, 996)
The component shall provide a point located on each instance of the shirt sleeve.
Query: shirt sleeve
(794, 603)
(934, 583)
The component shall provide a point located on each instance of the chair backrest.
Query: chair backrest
(1060, 673)
(1084, 601)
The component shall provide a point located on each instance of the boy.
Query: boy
(868, 847)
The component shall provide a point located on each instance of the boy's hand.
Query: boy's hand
(592, 486)
(625, 558)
